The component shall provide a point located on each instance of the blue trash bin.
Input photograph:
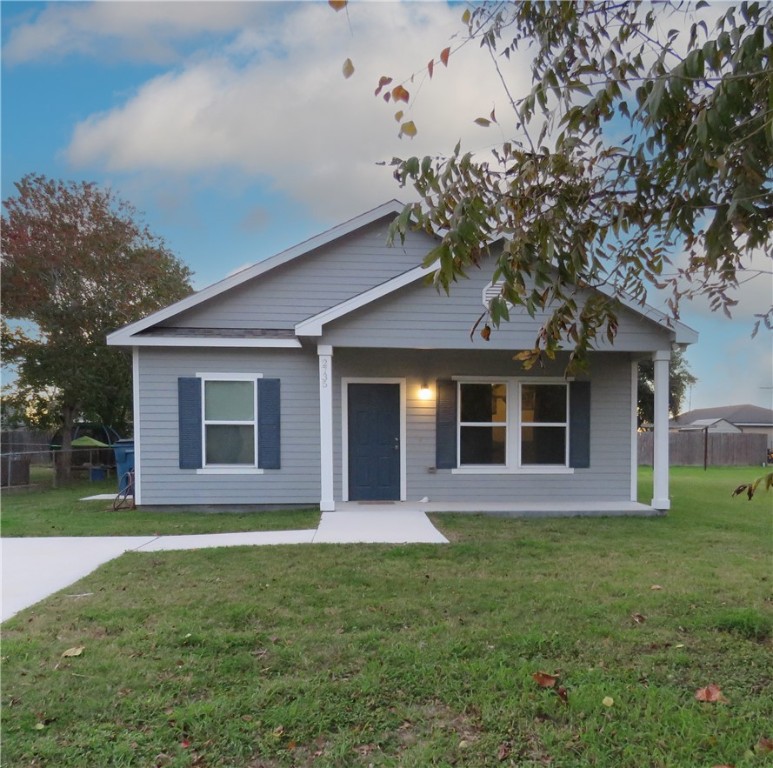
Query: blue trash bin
(124, 461)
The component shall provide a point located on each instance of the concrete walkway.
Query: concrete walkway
(34, 568)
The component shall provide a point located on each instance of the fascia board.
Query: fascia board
(210, 341)
(124, 336)
(312, 326)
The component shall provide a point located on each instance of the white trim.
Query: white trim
(137, 423)
(229, 469)
(124, 335)
(201, 341)
(345, 430)
(528, 469)
(634, 430)
(660, 498)
(326, 456)
(312, 326)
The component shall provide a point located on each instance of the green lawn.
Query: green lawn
(333, 655)
(60, 512)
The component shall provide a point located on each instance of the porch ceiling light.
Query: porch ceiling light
(425, 393)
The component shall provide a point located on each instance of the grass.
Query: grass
(42, 511)
(341, 655)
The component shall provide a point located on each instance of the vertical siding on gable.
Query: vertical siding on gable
(163, 482)
(312, 283)
(607, 479)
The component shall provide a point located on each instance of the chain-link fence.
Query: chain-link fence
(35, 468)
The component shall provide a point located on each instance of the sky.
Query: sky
(231, 127)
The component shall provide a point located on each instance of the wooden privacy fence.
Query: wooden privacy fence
(719, 449)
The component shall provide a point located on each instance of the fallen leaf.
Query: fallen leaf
(348, 69)
(562, 694)
(638, 618)
(504, 751)
(75, 651)
(656, 587)
(545, 679)
(185, 743)
(608, 701)
(39, 726)
(710, 694)
(764, 745)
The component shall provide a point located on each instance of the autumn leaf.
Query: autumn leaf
(608, 701)
(562, 694)
(409, 129)
(337, 5)
(738, 491)
(348, 69)
(485, 332)
(493, 116)
(504, 751)
(400, 94)
(383, 81)
(76, 651)
(710, 694)
(545, 679)
(764, 745)
(399, 115)
(444, 54)
(637, 618)
(656, 587)
(466, 16)
(482, 122)
(431, 67)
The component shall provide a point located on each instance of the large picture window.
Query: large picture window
(230, 413)
(543, 424)
(482, 423)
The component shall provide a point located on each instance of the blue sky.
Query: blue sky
(231, 127)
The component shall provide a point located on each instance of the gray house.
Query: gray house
(331, 374)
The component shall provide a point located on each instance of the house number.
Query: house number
(323, 377)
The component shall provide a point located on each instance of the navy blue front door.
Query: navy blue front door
(374, 442)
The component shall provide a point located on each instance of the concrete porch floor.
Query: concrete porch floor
(510, 509)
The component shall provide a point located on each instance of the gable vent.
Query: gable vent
(491, 291)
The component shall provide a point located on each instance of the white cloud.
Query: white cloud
(136, 31)
(273, 104)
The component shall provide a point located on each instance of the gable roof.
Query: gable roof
(741, 415)
(124, 336)
(145, 332)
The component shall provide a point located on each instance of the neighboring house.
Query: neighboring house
(710, 425)
(749, 419)
(332, 374)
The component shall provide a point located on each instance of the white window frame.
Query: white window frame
(228, 469)
(540, 424)
(513, 465)
(489, 424)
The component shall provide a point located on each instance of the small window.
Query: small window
(543, 422)
(482, 423)
(229, 423)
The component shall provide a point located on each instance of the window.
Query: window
(543, 422)
(482, 423)
(230, 410)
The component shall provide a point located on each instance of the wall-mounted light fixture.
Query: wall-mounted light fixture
(425, 393)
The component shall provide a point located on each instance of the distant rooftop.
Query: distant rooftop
(741, 415)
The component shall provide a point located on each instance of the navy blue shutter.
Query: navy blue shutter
(189, 414)
(445, 425)
(269, 445)
(579, 424)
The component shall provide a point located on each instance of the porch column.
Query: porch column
(325, 353)
(660, 499)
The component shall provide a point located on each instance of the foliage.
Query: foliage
(413, 655)
(679, 381)
(751, 488)
(77, 264)
(639, 157)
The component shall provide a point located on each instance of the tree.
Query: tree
(639, 158)
(77, 264)
(679, 381)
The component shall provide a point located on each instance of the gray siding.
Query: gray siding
(327, 276)
(607, 479)
(163, 482)
(429, 319)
